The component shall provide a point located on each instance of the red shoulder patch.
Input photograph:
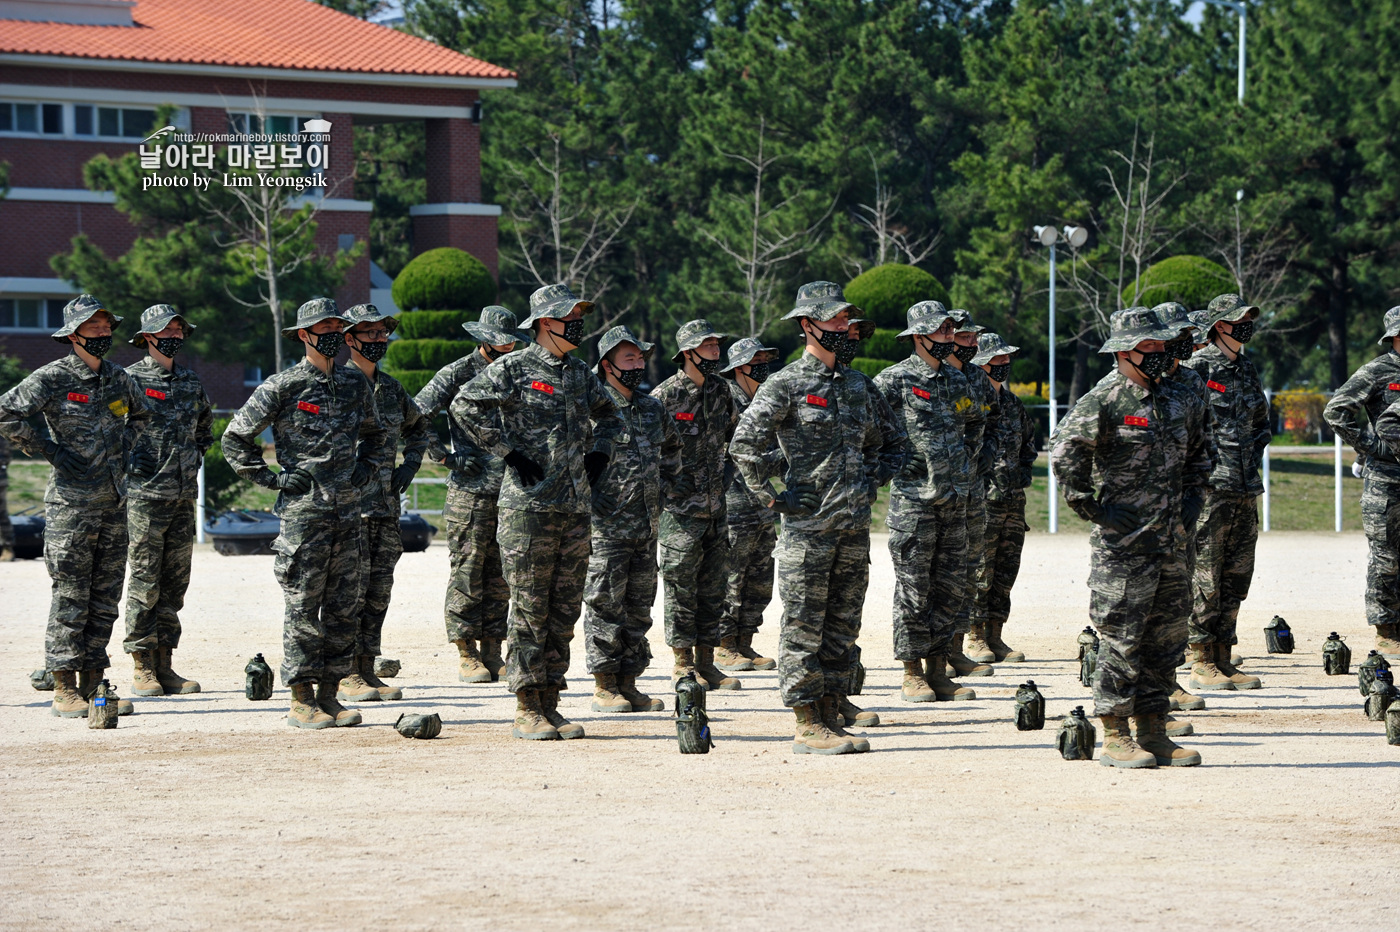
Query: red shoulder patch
(684, 416)
(1134, 421)
(921, 392)
(543, 387)
(817, 400)
(78, 397)
(308, 407)
(153, 393)
(1214, 385)
(1394, 386)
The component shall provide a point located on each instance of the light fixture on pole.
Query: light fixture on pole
(1049, 236)
(1240, 9)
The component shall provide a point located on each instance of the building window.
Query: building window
(245, 123)
(42, 315)
(21, 117)
(252, 375)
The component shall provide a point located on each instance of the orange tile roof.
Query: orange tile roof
(292, 34)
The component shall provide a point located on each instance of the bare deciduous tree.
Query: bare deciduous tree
(892, 238)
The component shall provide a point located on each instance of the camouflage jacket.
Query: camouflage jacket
(981, 422)
(179, 433)
(741, 506)
(627, 501)
(704, 417)
(322, 424)
(1371, 390)
(552, 410)
(1239, 419)
(1013, 442)
(1191, 380)
(436, 397)
(932, 406)
(1125, 445)
(401, 420)
(836, 432)
(96, 415)
(4, 459)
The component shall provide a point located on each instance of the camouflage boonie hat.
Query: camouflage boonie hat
(616, 337)
(743, 352)
(1198, 328)
(963, 319)
(312, 313)
(369, 314)
(1174, 314)
(691, 334)
(1392, 325)
(1229, 308)
(1131, 326)
(496, 327)
(156, 318)
(78, 312)
(924, 318)
(861, 328)
(819, 301)
(989, 346)
(554, 301)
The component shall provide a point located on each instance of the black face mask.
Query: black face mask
(830, 340)
(964, 353)
(169, 346)
(491, 352)
(1180, 348)
(847, 351)
(373, 351)
(573, 332)
(999, 371)
(707, 367)
(939, 350)
(629, 378)
(330, 344)
(1153, 365)
(1243, 331)
(97, 346)
(758, 371)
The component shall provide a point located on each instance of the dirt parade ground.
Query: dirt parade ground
(207, 811)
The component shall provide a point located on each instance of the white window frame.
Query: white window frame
(181, 120)
(43, 328)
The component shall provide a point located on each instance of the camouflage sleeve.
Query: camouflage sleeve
(432, 400)
(1344, 412)
(240, 440)
(417, 433)
(1387, 427)
(889, 451)
(377, 446)
(756, 434)
(607, 423)
(1028, 451)
(670, 454)
(1072, 456)
(138, 416)
(204, 424)
(17, 405)
(478, 405)
(1199, 463)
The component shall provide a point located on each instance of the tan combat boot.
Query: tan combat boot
(530, 722)
(1227, 667)
(813, 737)
(944, 688)
(491, 658)
(325, 698)
(549, 705)
(304, 712)
(1119, 748)
(353, 688)
(1388, 641)
(685, 663)
(1186, 702)
(7, 554)
(1204, 673)
(471, 669)
(366, 667)
(759, 661)
(962, 664)
(638, 700)
(710, 675)
(67, 702)
(853, 714)
(173, 683)
(1003, 652)
(915, 688)
(975, 646)
(144, 682)
(728, 656)
(1152, 738)
(607, 695)
(88, 681)
(1177, 728)
(831, 718)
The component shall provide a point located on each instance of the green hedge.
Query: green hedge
(434, 325)
(1192, 280)
(886, 292)
(885, 344)
(872, 367)
(445, 277)
(414, 379)
(406, 355)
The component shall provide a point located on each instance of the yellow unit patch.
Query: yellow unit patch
(118, 408)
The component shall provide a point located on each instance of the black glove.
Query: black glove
(360, 474)
(143, 463)
(526, 469)
(65, 462)
(604, 500)
(293, 481)
(1191, 509)
(403, 475)
(464, 463)
(800, 499)
(594, 463)
(1120, 518)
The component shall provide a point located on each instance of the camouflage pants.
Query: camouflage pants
(750, 585)
(7, 530)
(85, 552)
(1382, 525)
(1226, 534)
(1139, 604)
(381, 545)
(928, 547)
(618, 597)
(318, 567)
(161, 547)
(545, 557)
(822, 576)
(976, 554)
(1006, 537)
(695, 566)
(477, 595)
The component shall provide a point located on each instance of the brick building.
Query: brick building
(79, 77)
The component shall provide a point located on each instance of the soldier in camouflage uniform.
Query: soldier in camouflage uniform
(753, 529)
(94, 414)
(160, 508)
(1371, 391)
(981, 424)
(928, 503)
(548, 417)
(621, 584)
(1013, 440)
(1229, 523)
(330, 446)
(381, 541)
(694, 534)
(7, 530)
(841, 443)
(1131, 458)
(477, 595)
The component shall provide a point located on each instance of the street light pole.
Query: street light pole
(1240, 9)
(1049, 236)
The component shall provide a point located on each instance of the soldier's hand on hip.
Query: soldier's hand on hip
(360, 475)
(464, 463)
(799, 499)
(403, 476)
(294, 481)
(526, 469)
(594, 463)
(1120, 518)
(69, 464)
(143, 463)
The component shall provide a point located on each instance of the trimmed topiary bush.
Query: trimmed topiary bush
(434, 325)
(444, 278)
(1192, 280)
(414, 379)
(884, 344)
(886, 292)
